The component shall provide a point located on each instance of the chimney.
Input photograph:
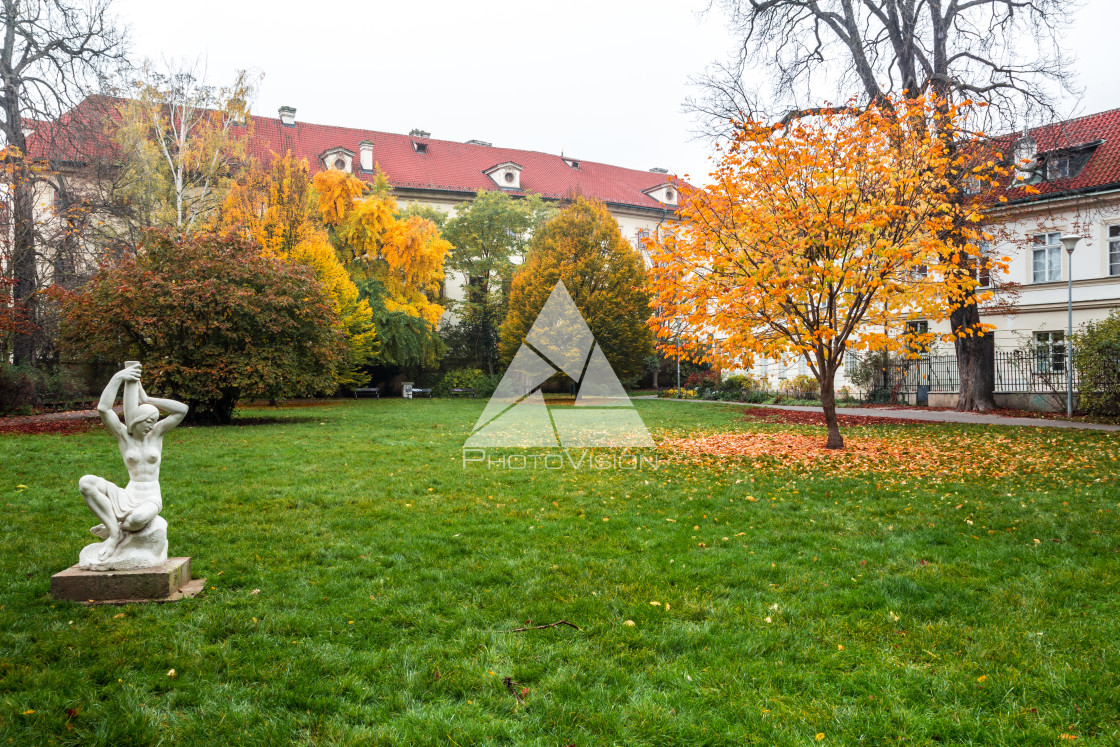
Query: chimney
(659, 170)
(419, 133)
(365, 149)
(288, 116)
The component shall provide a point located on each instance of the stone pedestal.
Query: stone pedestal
(163, 583)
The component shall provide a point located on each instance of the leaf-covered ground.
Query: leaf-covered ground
(913, 453)
(933, 585)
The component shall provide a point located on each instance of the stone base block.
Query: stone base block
(163, 583)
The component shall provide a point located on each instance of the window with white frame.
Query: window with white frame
(1114, 250)
(983, 266)
(1046, 257)
(1049, 352)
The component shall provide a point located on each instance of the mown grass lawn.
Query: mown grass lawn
(770, 605)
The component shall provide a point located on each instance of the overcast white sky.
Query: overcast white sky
(602, 80)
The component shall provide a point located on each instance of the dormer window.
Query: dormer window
(1068, 162)
(419, 147)
(506, 175)
(666, 193)
(340, 159)
(572, 163)
(1057, 168)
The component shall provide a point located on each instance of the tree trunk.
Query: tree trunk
(975, 364)
(656, 372)
(828, 400)
(24, 270)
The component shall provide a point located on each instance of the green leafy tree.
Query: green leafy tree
(605, 276)
(419, 210)
(212, 319)
(406, 341)
(1096, 353)
(487, 236)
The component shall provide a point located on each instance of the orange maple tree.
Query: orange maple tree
(823, 235)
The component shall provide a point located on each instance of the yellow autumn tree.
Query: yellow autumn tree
(401, 259)
(274, 205)
(820, 235)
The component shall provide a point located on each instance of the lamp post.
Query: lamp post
(1069, 243)
(679, 395)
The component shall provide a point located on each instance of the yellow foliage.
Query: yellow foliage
(405, 256)
(337, 191)
(274, 206)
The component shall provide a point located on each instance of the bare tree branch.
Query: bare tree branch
(1007, 53)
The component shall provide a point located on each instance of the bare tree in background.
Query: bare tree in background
(1006, 53)
(53, 53)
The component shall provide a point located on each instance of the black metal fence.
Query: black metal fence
(1042, 371)
(930, 373)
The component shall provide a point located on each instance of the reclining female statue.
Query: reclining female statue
(125, 511)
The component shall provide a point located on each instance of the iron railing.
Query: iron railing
(1036, 371)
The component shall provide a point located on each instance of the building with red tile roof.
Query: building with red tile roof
(420, 168)
(420, 164)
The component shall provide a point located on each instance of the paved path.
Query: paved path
(937, 416)
(52, 416)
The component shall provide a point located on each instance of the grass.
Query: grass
(790, 604)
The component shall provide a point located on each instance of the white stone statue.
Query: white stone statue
(134, 534)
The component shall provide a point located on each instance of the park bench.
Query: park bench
(367, 391)
(465, 392)
(425, 392)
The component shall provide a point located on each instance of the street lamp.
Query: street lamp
(1069, 242)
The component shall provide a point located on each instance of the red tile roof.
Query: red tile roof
(449, 166)
(446, 166)
(1102, 171)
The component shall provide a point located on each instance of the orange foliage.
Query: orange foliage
(815, 236)
(918, 454)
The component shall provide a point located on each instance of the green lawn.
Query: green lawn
(866, 609)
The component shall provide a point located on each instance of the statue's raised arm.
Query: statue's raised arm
(109, 398)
